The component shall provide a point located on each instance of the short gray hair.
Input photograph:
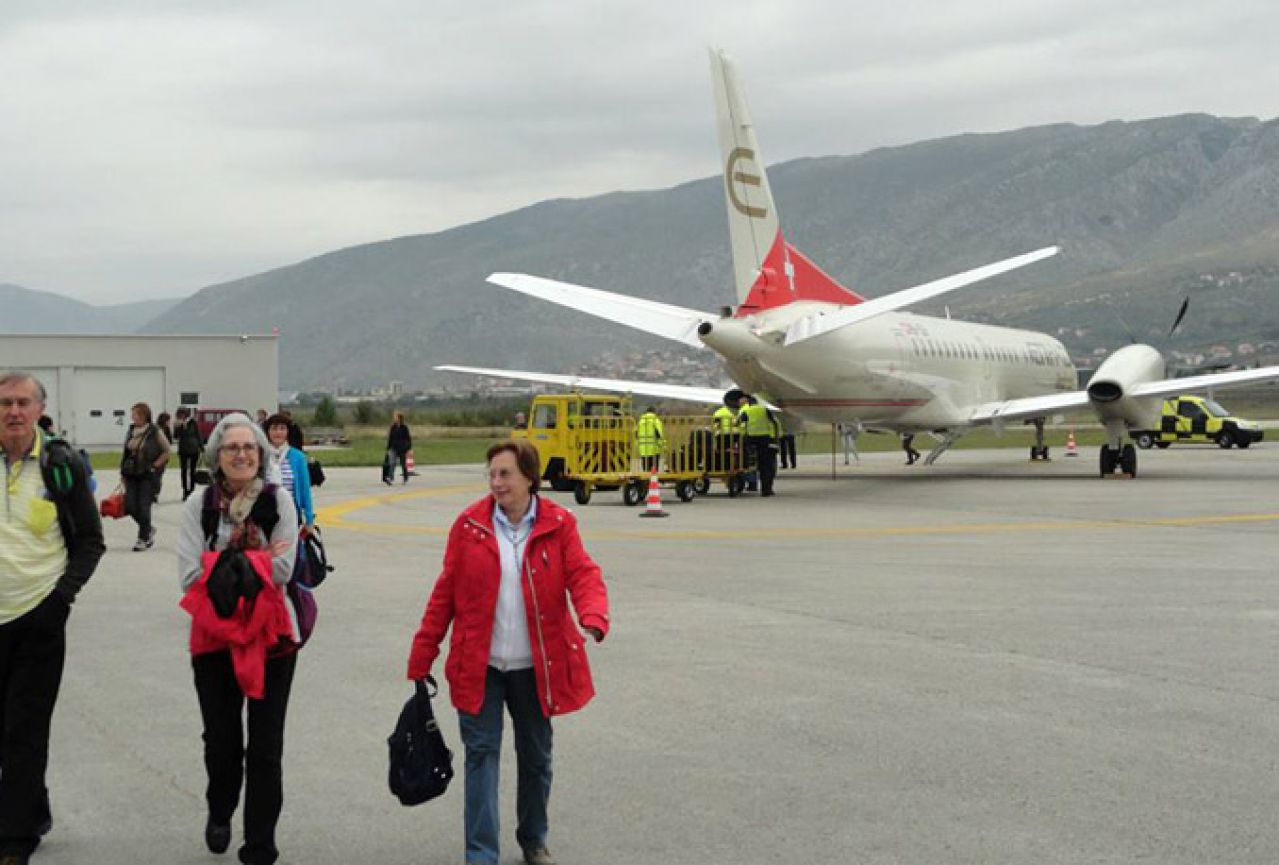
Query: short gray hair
(11, 375)
(231, 421)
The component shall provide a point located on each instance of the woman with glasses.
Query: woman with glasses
(241, 511)
(513, 563)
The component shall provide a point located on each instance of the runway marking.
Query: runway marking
(336, 516)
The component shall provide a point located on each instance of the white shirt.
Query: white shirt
(510, 648)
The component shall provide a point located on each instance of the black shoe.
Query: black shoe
(218, 838)
(45, 828)
(767, 493)
(386, 481)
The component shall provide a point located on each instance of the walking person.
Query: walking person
(162, 423)
(513, 563)
(287, 465)
(251, 652)
(848, 433)
(187, 430)
(146, 450)
(398, 444)
(786, 442)
(50, 544)
(908, 445)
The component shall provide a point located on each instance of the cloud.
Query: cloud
(150, 148)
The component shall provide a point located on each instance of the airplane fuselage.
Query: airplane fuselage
(898, 368)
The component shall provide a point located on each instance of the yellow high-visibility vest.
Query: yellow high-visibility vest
(759, 422)
(648, 433)
(724, 420)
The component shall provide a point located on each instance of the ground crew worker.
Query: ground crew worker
(908, 445)
(649, 436)
(724, 423)
(50, 544)
(762, 432)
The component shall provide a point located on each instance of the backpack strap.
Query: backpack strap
(211, 515)
(57, 470)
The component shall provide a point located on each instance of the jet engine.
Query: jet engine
(1110, 388)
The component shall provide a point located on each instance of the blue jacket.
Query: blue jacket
(301, 484)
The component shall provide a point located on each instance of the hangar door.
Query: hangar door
(103, 397)
(52, 406)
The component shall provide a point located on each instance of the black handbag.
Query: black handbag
(421, 764)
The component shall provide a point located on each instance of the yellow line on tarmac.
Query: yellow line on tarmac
(335, 516)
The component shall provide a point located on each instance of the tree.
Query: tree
(326, 414)
(364, 413)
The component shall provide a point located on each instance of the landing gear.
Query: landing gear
(945, 438)
(1039, 450)
(1122, 459)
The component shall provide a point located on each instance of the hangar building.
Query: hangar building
(92, 381)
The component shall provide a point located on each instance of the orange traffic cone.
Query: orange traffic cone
(1072, 450)
(653, 507)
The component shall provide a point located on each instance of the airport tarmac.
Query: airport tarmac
(983, 661)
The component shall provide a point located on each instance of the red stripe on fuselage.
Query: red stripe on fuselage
(778, 285)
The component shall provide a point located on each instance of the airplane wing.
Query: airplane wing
(1040, 406)
(1209, 381)
(1035, 406)
(824, 322)
(707, 395)
(650, 316)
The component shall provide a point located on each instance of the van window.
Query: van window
(1189, 409)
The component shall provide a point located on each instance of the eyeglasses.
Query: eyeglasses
(239, 450)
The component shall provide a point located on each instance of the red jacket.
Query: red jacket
(249, 633)
(556, 568)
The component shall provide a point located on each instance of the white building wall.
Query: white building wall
(93, 380)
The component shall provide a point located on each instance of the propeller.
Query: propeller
(1185, 305)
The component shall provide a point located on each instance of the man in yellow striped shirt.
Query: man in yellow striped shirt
(50, 544)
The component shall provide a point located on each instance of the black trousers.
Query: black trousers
(765, 461)
(787, 443)
(188, 464)
(139, 495)
(227, 760)
(392, 459)
(32, 651)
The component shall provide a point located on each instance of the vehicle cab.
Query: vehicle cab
(1199, 420)
(575, 433)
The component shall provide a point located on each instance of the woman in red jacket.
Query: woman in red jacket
(512, 564)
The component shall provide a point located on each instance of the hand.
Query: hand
(307, 530)
(596, 634)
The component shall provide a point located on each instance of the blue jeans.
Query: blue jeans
(482, 736)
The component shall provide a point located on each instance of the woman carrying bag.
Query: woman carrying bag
(146, 451)
(512, 565)
(250, 653)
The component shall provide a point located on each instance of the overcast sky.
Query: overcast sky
(149, 148)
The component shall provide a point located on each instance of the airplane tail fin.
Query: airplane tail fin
(768, 271)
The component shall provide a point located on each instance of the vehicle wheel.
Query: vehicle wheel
(1145, 441)
(736, 483)
(1225, 440)
(1243, 444)
(554, 474)
(1163, 446)
(702, 485)
(684, 489)
(633, 493)
(1128, 460)
(1107, 461)
(581, 492)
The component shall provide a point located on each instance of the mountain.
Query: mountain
(25, 311)
(1144, 210)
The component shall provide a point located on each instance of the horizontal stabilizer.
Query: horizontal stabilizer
(707, 395)
(815, 325)
(650, 316)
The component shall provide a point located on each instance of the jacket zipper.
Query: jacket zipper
(541, 641)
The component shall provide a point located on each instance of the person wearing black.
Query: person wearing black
(187, 431)
(908, 445)
(50, 545)
(163, 424)
(146, 450)
(398, 444)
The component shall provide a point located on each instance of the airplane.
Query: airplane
(820, 351)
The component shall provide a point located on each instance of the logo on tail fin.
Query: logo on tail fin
(734, 176)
